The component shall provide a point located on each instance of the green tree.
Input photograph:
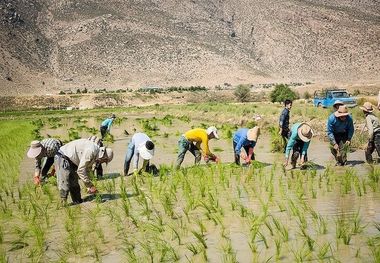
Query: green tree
(282, 92)
(242, 92)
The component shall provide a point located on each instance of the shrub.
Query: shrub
(282, 92)
(306, 95)
(242, 93)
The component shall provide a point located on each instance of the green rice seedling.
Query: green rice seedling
(1, 235)
(73, 134)
(357, 226)
(167, 204)
(377, 226)
(200, 237)
(194, 248)
(357, 254)
(229, 253)
(343, 230)
(309, 241)
(322, 225)
(277, 143)
(176, 234)
(357, 186)
(374, 177)
(323, 250)
(281, 206)
(278, 245)
(302, 254)
(202, 227)
(264, 239)
(269, 226)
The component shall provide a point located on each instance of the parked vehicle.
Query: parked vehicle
(326, 98)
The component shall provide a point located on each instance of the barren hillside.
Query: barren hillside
(47, 46)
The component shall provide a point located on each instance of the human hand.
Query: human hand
(348, 143)
(92, 190)
(336, 147)
(37, 180)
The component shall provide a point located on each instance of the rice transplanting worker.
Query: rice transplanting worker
(197, 142)
(299, 141)
(246, 139)
(284, 121)
(43, 152)
(105, 127)
(373, 126)
(340, 130)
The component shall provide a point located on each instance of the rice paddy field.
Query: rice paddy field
(206, 213)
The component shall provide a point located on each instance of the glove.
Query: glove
(92, 190)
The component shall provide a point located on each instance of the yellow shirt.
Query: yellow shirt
(199, 136)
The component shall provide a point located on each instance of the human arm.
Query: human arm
(369, 127)
(330, 130)
(351, 128)
(85, 164)
(109, 124)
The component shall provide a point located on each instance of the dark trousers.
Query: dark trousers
(341, 155)
(183, 146)
(237, 156)
(103, 131)
(285, 134)
(67, 179)
(46, 167)
(372, 146)
(297, 152)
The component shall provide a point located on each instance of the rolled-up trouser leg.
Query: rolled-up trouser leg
(63, 175)
(368, 151)
(183, 146)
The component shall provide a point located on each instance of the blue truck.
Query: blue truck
(326, 98)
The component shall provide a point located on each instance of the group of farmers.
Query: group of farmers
(74, 160)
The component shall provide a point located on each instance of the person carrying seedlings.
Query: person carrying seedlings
(284, 121)
(340, 129)
(73, 161)
(43, 152)
(139, 145)
(299, 141)
(245, 138)
(105, 127)
(373, 126)
(196, 141)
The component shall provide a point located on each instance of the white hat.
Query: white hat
(305, 133)
(35, 149)
(213, 130)
(105, 152)
(144, 152)
(253, 134)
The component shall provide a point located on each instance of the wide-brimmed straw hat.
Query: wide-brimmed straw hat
(253, 134)
(146, 150)
(338, 102)
(342, 111)
(213, 130)
(367, 107)
(305, 133)
(35, 149)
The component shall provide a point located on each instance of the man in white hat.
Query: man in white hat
(245, 138)
(196, 141)
(73, 161)
(43, 152)
(142, 146)
(340, 129)
(373, 126)
(105, 127)
(299, 141)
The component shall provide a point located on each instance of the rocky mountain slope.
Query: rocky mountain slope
(51, 45)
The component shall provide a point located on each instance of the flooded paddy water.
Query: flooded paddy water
(213, 213)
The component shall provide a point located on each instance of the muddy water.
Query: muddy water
(327, 204)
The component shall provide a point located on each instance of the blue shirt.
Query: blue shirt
(335, 125)
(284, 118)
(241, 140)
(292, 140)
(107, 123)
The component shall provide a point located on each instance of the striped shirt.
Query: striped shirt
(50, 148)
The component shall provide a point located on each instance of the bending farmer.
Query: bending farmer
(246, 139)
(299, 141)
(139, 145)
(192, 141)
(340, 129)
(373, 126)
(105, 127)
(73, 161)
(43, 151)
